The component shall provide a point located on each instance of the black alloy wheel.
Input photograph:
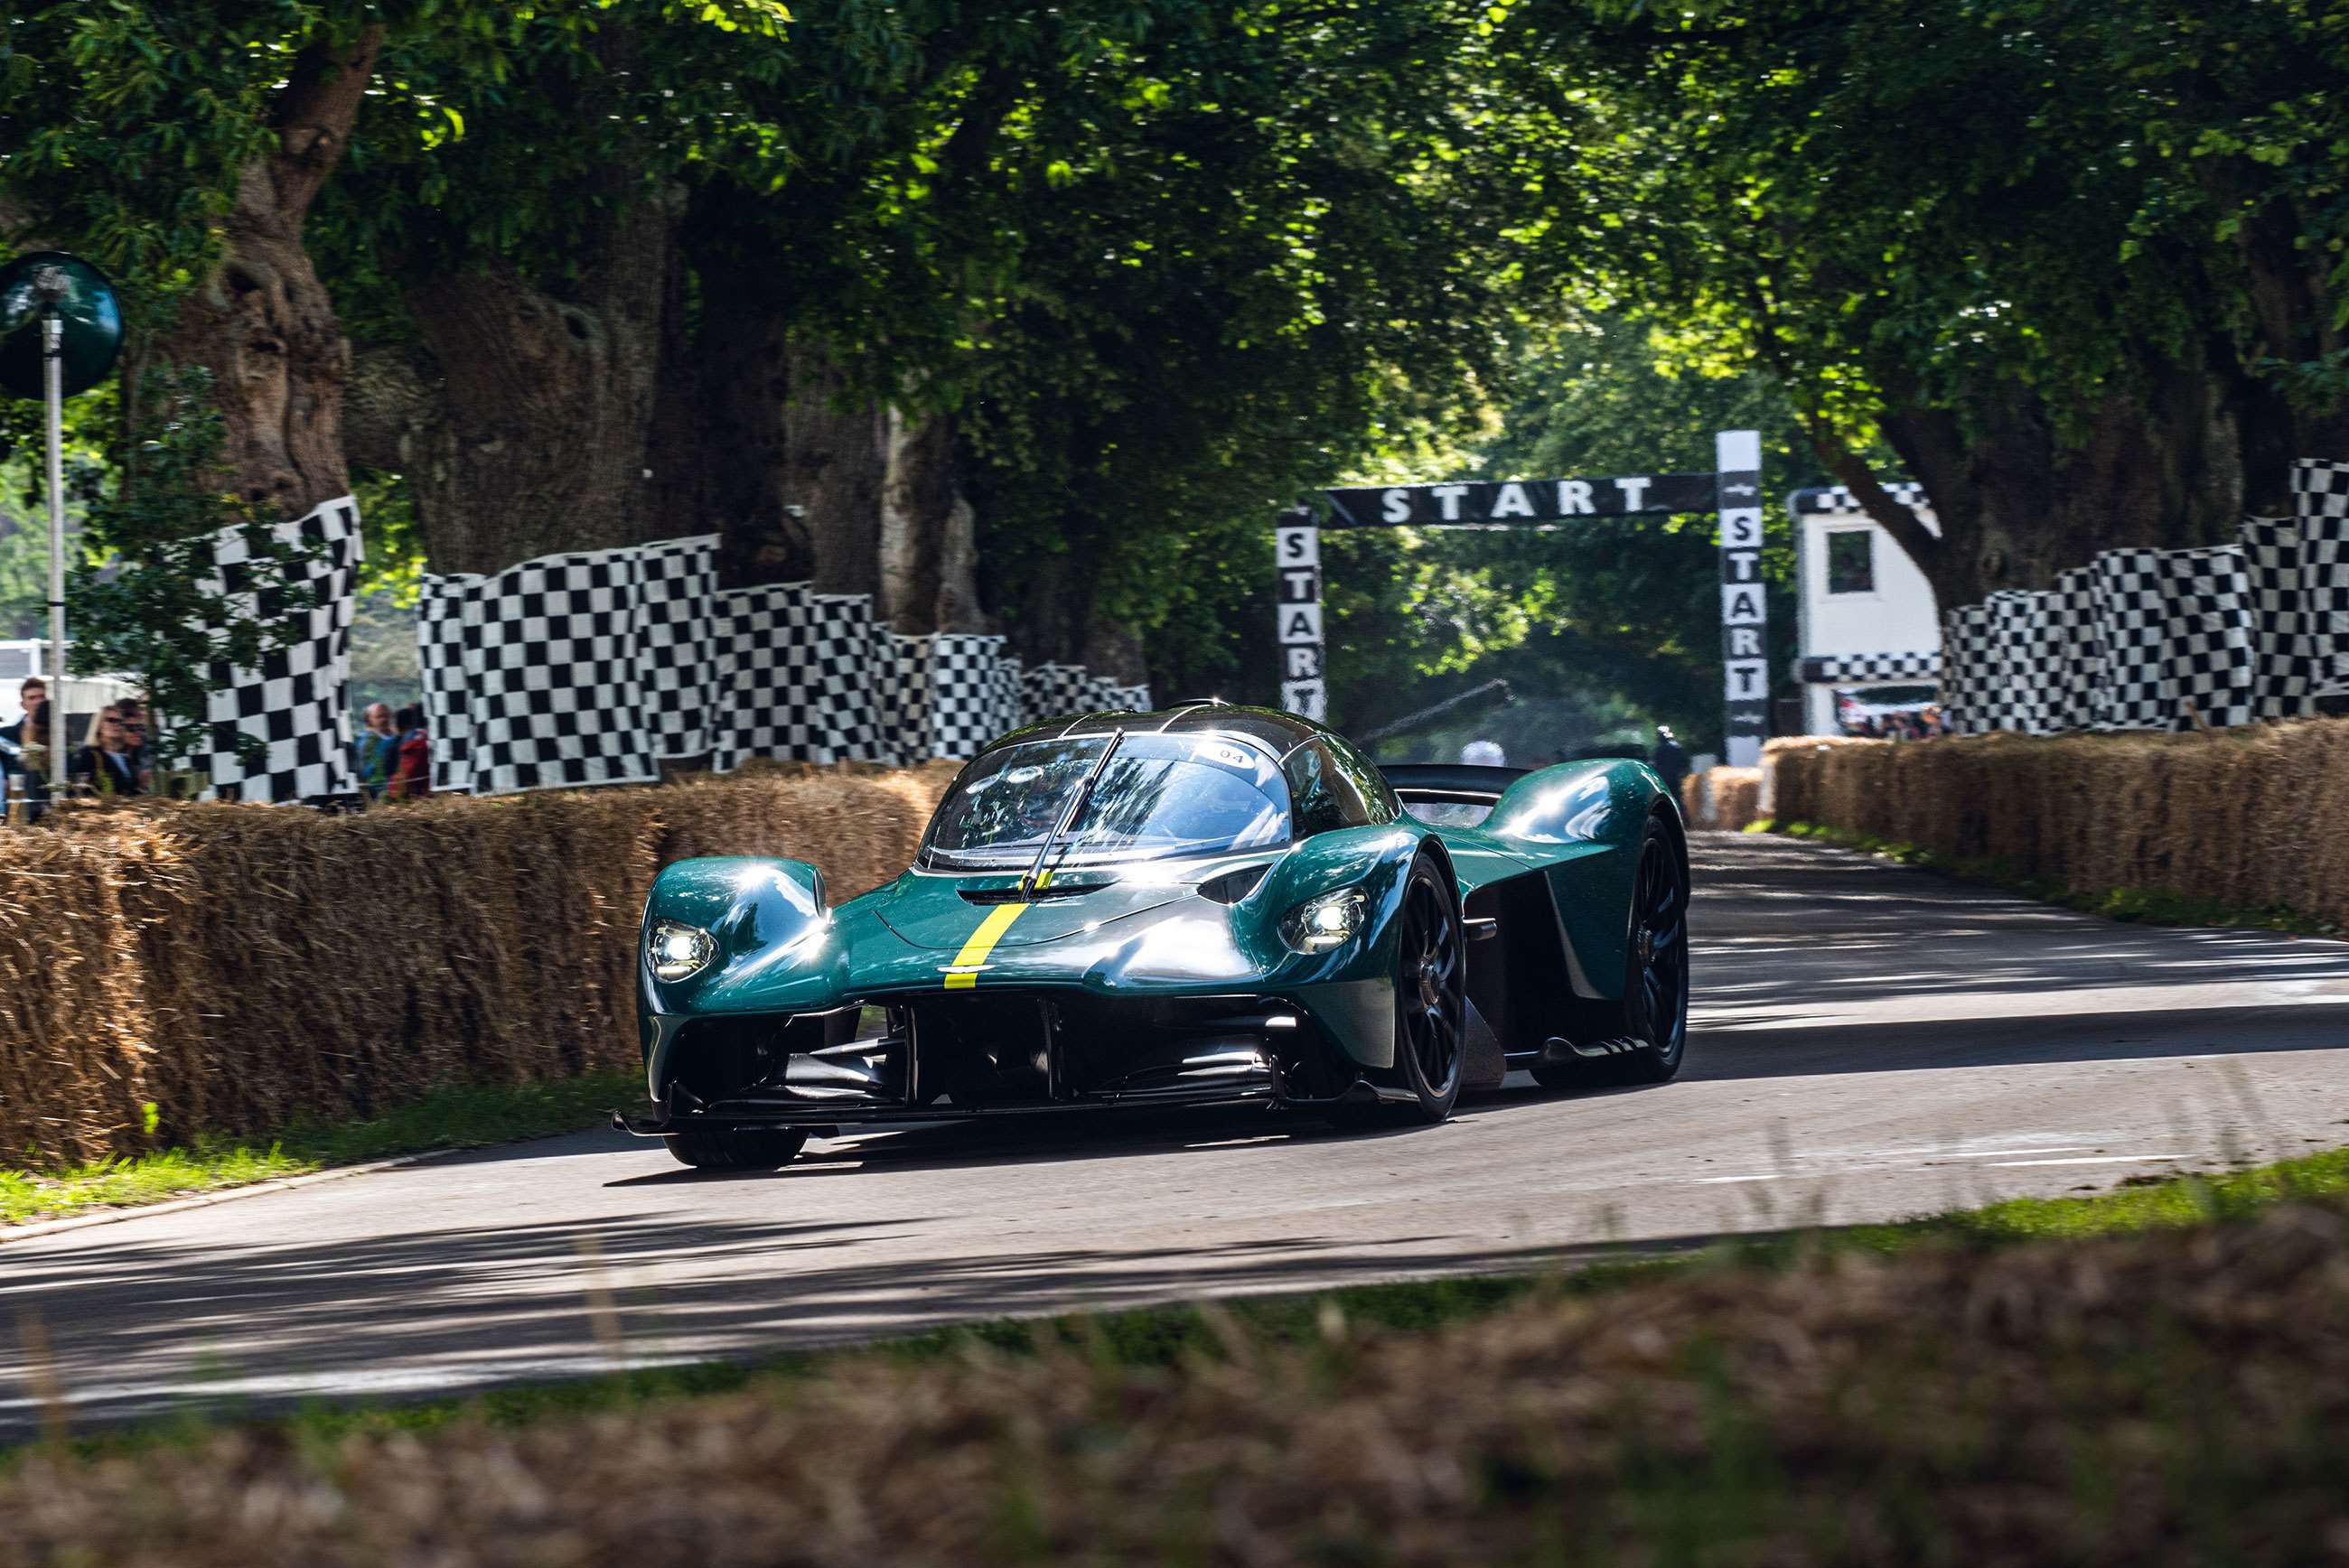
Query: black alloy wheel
(1646, 1033)
(1430, 1002)
(737, 1147)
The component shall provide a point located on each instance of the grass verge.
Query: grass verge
(2147, 906)
(2164, 1383)
(455, 1118)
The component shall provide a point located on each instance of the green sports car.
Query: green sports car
(1204, 906)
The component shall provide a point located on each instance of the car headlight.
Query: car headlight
(1319, 925)
(677, 951)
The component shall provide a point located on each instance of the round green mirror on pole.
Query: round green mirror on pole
(51, 283)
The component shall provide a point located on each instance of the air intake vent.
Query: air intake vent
(1233, 886)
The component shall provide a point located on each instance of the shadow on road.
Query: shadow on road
(417, 1313)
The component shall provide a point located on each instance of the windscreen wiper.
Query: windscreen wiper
(1034, 879)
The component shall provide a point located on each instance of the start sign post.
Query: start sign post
(1732, 492)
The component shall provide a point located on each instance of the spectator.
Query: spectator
(411, 773)
(377, 752)
(1669, 760)
(106, 761)
(1484, 754)
(26, 753)
(134, 741)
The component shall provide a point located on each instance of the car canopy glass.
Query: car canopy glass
(1159, 794)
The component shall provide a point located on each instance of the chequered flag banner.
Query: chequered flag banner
(1838, 498)
(440, 660)
(1859, 669)
(965, 707)
(2284, 660)
(908, 726)
(2206, 636)
(1967, 676)
(2139, 691)
(795, 677)
(2321, 502)
(2028, 651)
(890, 693)
(836, 653)
(555, 674)
(298, 703)
(591, 668)
(1010, 699)
(1053, 691)
(678, 627)
(2081, 654)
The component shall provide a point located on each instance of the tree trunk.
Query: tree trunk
(930, 545)
(548, 396)
(2017, 501)
(719, 453)
(835, 446)
(263, 324)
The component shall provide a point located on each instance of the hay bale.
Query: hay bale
(241, 966)
(1725, 799)
(2247, 817)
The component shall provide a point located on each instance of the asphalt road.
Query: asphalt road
(1870, 1043)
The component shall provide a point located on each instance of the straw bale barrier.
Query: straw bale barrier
(1723, 799)
(237, 967)
(2256, 817)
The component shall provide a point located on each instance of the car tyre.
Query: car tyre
(737, 1147)
(1651, 1018)
(1431, 1004)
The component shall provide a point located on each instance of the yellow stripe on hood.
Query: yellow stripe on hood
(963, 973)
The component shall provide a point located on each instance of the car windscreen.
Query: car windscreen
(1161, 796)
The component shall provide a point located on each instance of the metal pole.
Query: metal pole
(53, 375)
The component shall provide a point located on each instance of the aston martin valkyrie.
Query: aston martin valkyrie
(1204, 905)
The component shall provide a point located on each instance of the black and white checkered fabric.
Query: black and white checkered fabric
(441, 662)
(2166, 640)
(555, 674)
(2080, 653)
(967, 703)
(677, 628)
(2321, 502)
(297, 704)
(796, 677)
(1838, 498)
(1010, 694)
(1054, 691)
(1864, 669)
(1968, 676)
(2283, 661)
(835, 645)
(2207, 636)
(2138, 690)
(2027, 653)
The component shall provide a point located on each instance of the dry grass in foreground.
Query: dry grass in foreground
(2170, 1397)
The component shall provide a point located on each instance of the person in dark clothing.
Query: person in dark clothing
(1669, 760)
(412, 768)
(25, 747)
(108, 761)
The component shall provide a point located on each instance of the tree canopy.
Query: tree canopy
(1030, 316)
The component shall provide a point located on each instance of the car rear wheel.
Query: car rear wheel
(1645, 1035)
(737, 1147)
(1431, 1004)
